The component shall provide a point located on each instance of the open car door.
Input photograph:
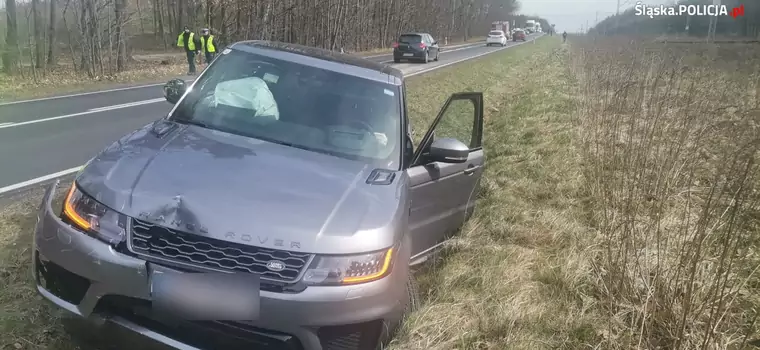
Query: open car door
(445, 171)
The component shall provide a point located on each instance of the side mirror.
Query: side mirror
(174, 89)
(435, 42)
(448, 150)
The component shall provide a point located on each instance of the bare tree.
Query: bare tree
(39, 40)
(10, 56)
(121, 46)
(51, 33)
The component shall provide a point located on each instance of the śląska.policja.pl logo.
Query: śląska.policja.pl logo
(691, 10)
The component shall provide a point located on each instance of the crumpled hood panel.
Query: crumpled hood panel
(245, 190)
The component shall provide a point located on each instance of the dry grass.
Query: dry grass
(517, 276)
(670, 145)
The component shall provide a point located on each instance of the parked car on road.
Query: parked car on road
(496, 37)
(416, 46)
(518, 35)
(279, 204)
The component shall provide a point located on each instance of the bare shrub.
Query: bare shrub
(670, 146)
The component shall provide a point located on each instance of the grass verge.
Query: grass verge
(513, 279)
(516, 276)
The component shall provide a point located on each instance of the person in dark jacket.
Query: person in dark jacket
(190, 42)
(208, 45)
(564, 36)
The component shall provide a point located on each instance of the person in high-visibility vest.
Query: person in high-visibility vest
(188, 40)
(208, 45)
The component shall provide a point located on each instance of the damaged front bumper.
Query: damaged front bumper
(91, 279)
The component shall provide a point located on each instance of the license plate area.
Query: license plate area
(408, 54)
(206, 296)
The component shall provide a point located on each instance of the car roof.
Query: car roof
(322, 58)
(412, 33)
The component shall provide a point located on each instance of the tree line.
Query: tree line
(628, 22)
(97, 36)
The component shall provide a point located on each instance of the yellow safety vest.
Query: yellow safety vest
(210, 44)
(190, 41)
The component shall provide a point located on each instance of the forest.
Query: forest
(628, 23)
(100, 36)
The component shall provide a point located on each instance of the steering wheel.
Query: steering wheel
(362, 125)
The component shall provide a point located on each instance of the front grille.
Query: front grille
(176, 246)
(358, 336)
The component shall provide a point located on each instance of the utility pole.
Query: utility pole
(617, 17)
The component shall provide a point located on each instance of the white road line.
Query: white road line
(39, 179)
(444, 50)
(138, 103)
(90, 111)
(464, 59)
(470, 46)
(151, 85)
(81, 94)
(48, 177)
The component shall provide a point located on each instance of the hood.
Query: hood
(227, 186)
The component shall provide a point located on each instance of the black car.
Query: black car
(416, 46)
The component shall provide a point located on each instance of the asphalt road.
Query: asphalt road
(47, 138)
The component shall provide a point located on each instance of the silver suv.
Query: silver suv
(279, 205)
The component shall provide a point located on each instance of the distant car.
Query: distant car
(278, 205)
(496, 37)
(518, 35)
(415, 46)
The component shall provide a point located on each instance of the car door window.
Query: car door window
(461, 119)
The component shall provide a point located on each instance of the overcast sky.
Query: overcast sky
(570, 15)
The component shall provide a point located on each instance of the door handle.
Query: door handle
(470, 170)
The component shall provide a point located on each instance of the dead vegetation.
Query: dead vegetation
(670, 146)
(619, 209)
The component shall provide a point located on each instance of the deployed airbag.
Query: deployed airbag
(247, 93)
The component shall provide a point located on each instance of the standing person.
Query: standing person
(564, 36)
(207, 45)
(188, 40)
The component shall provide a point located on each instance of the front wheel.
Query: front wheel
(410, 304)
(436, 56)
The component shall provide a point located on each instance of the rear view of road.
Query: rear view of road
(51, 137)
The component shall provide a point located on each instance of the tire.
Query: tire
(411, 304)
(427, 57)
(396, 60)
(436, 56)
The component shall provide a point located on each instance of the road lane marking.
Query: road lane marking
(444, 47)
(466, 59)
(39, 179)
(62, 173)
(89, 111)
(139, 103)
(159, 84)
(471, 46)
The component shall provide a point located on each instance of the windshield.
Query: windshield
(495, 33)
(299, 106)
(410, 39)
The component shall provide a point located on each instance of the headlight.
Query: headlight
(95, 219)
(344, 270)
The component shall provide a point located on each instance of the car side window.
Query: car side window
(458, 122)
